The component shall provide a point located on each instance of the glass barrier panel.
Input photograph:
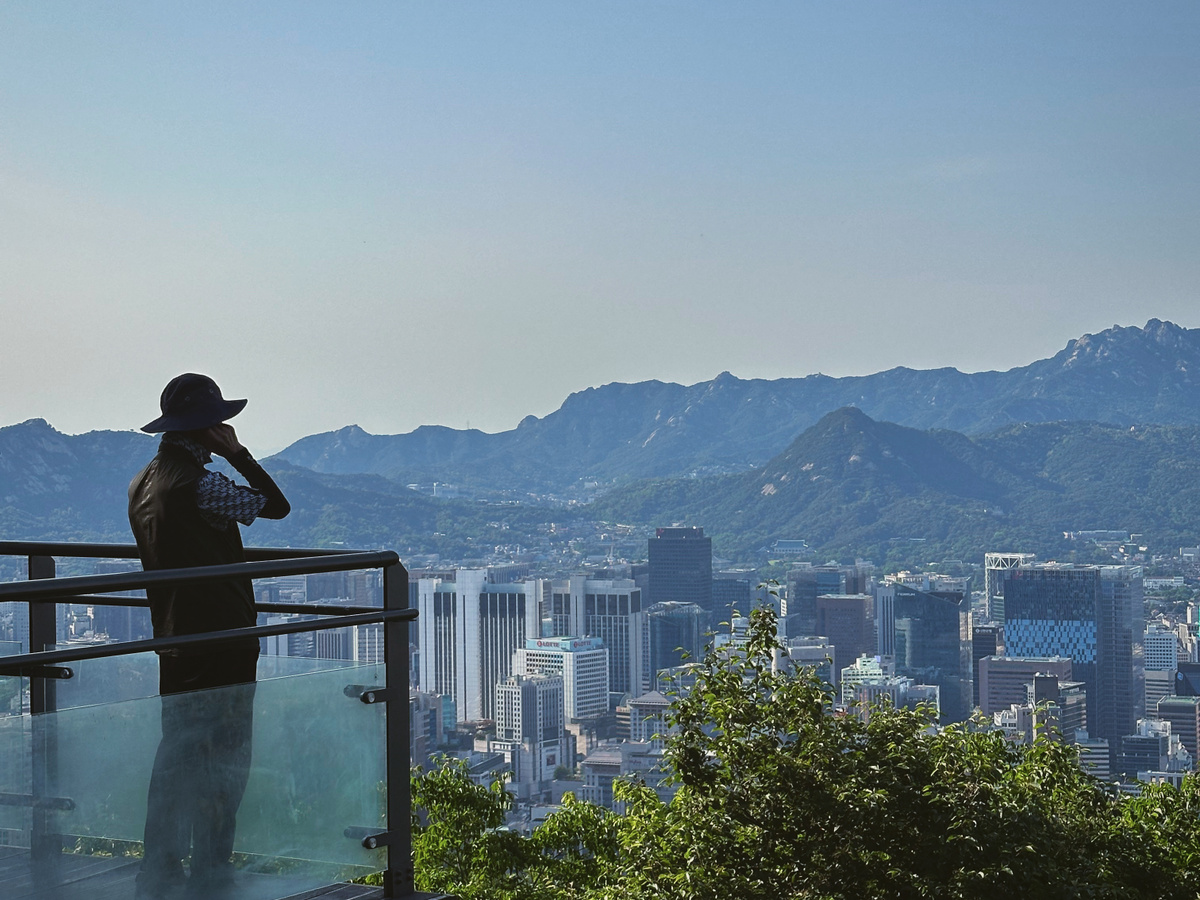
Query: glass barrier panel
(313, 771)
(16, 779)
(15, 776)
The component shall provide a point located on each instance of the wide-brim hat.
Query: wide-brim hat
(190, 402)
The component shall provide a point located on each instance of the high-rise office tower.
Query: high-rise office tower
(986, 640)
(864, 669)
(931, 640)
(609, 609)
(681, 567)
(648, 719)
(583, 665)
(1187, 679)
(470, 629)
(1094, 616)
(1162, 649)
(848, 620)
(1121, 664)
(885, 619)
(671, 631)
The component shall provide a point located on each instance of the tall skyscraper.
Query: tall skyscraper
(609, 609)
(1093, 615)
(470, 629)
(681, 567)
(932, 644)
(1121, 663)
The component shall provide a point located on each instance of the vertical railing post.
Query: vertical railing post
(398, 879)
(45, 841)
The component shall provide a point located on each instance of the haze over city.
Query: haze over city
(406, 214)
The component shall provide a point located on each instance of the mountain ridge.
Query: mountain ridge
(620, 432)
(850, 485)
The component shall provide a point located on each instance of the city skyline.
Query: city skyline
(403, 215)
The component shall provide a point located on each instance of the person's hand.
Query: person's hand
(220, 439)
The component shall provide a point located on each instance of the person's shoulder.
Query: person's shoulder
(176, 465)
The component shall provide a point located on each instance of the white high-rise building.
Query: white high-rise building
(469, 631)
(1162, 649)
(583, 665)
(1162, 659)
(612, 611)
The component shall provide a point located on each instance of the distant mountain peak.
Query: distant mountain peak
(38, 423)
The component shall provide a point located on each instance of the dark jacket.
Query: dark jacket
(171, 533)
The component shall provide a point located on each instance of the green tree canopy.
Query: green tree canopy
(780, 798)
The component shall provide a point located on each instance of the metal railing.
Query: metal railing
(44, 665)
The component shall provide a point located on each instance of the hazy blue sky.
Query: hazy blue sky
(394, 213)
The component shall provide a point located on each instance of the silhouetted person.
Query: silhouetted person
(183, 514)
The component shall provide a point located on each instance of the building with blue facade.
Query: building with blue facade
(1093, 615)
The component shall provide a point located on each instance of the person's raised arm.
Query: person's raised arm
(223, 441)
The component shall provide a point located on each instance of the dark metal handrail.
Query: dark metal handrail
(130, 551)
(67, 587)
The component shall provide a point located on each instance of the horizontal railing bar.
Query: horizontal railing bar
(130, 551)
(63, 803)
(320, 609)
(11, 665)
(316, 609)
(66, 587)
